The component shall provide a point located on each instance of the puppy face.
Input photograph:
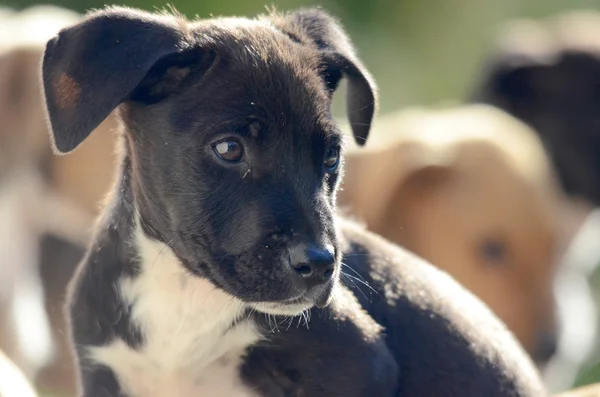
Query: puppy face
(235, 157)
(240, 167)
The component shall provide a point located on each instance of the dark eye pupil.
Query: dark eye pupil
(332, 158)
(229, 150)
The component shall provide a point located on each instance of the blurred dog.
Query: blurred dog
(546, 73)
(47, 203)
(25, 332)
(470, 189)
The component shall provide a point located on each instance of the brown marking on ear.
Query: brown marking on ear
(66, 91)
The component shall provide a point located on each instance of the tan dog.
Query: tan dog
(24, 332)
(40, 195)
(469, 189)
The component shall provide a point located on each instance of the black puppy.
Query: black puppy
(554, 87)
(221, 234)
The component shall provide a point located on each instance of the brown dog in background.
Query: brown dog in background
(546, 72)
(47, 203)
(469, 189)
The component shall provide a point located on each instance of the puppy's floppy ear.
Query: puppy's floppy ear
(90, 68)
(339, 59)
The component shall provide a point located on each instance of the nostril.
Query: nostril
(322, 261)
(314, 263)
(304, 270)
(328, 273)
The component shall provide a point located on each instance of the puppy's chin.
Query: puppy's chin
(282, 309)
(319, 297)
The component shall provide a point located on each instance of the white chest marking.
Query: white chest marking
(190, 348)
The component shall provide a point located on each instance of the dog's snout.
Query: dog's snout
(314, 263)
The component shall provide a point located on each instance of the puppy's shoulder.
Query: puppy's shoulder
(446, 341)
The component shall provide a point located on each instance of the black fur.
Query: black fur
(558, 95)
(179, 88)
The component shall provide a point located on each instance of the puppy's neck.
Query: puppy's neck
(160, 290)
(193, 334)
(167, 287)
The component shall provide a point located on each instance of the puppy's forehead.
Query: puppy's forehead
(261, 72)
(259, 45)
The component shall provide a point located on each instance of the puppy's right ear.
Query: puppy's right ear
(90, 68)
(340, 60)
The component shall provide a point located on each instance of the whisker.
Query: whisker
(291, 320)
(361, 281)
(351, 268)
(354, 284)
(305, 316)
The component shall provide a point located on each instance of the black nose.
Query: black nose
(314, 264)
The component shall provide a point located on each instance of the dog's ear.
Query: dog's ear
(90, 68)
(340, 60)
(511, 84)
(518, 67)
(419, 178)
(523, 85)
(400, 166)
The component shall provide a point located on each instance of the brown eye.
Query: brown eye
(229, 150)
(332, 158)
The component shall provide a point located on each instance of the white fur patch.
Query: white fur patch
(189, 348)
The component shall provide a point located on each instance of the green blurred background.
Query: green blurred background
(420, 51)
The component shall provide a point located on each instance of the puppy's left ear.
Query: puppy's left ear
(340, 60)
